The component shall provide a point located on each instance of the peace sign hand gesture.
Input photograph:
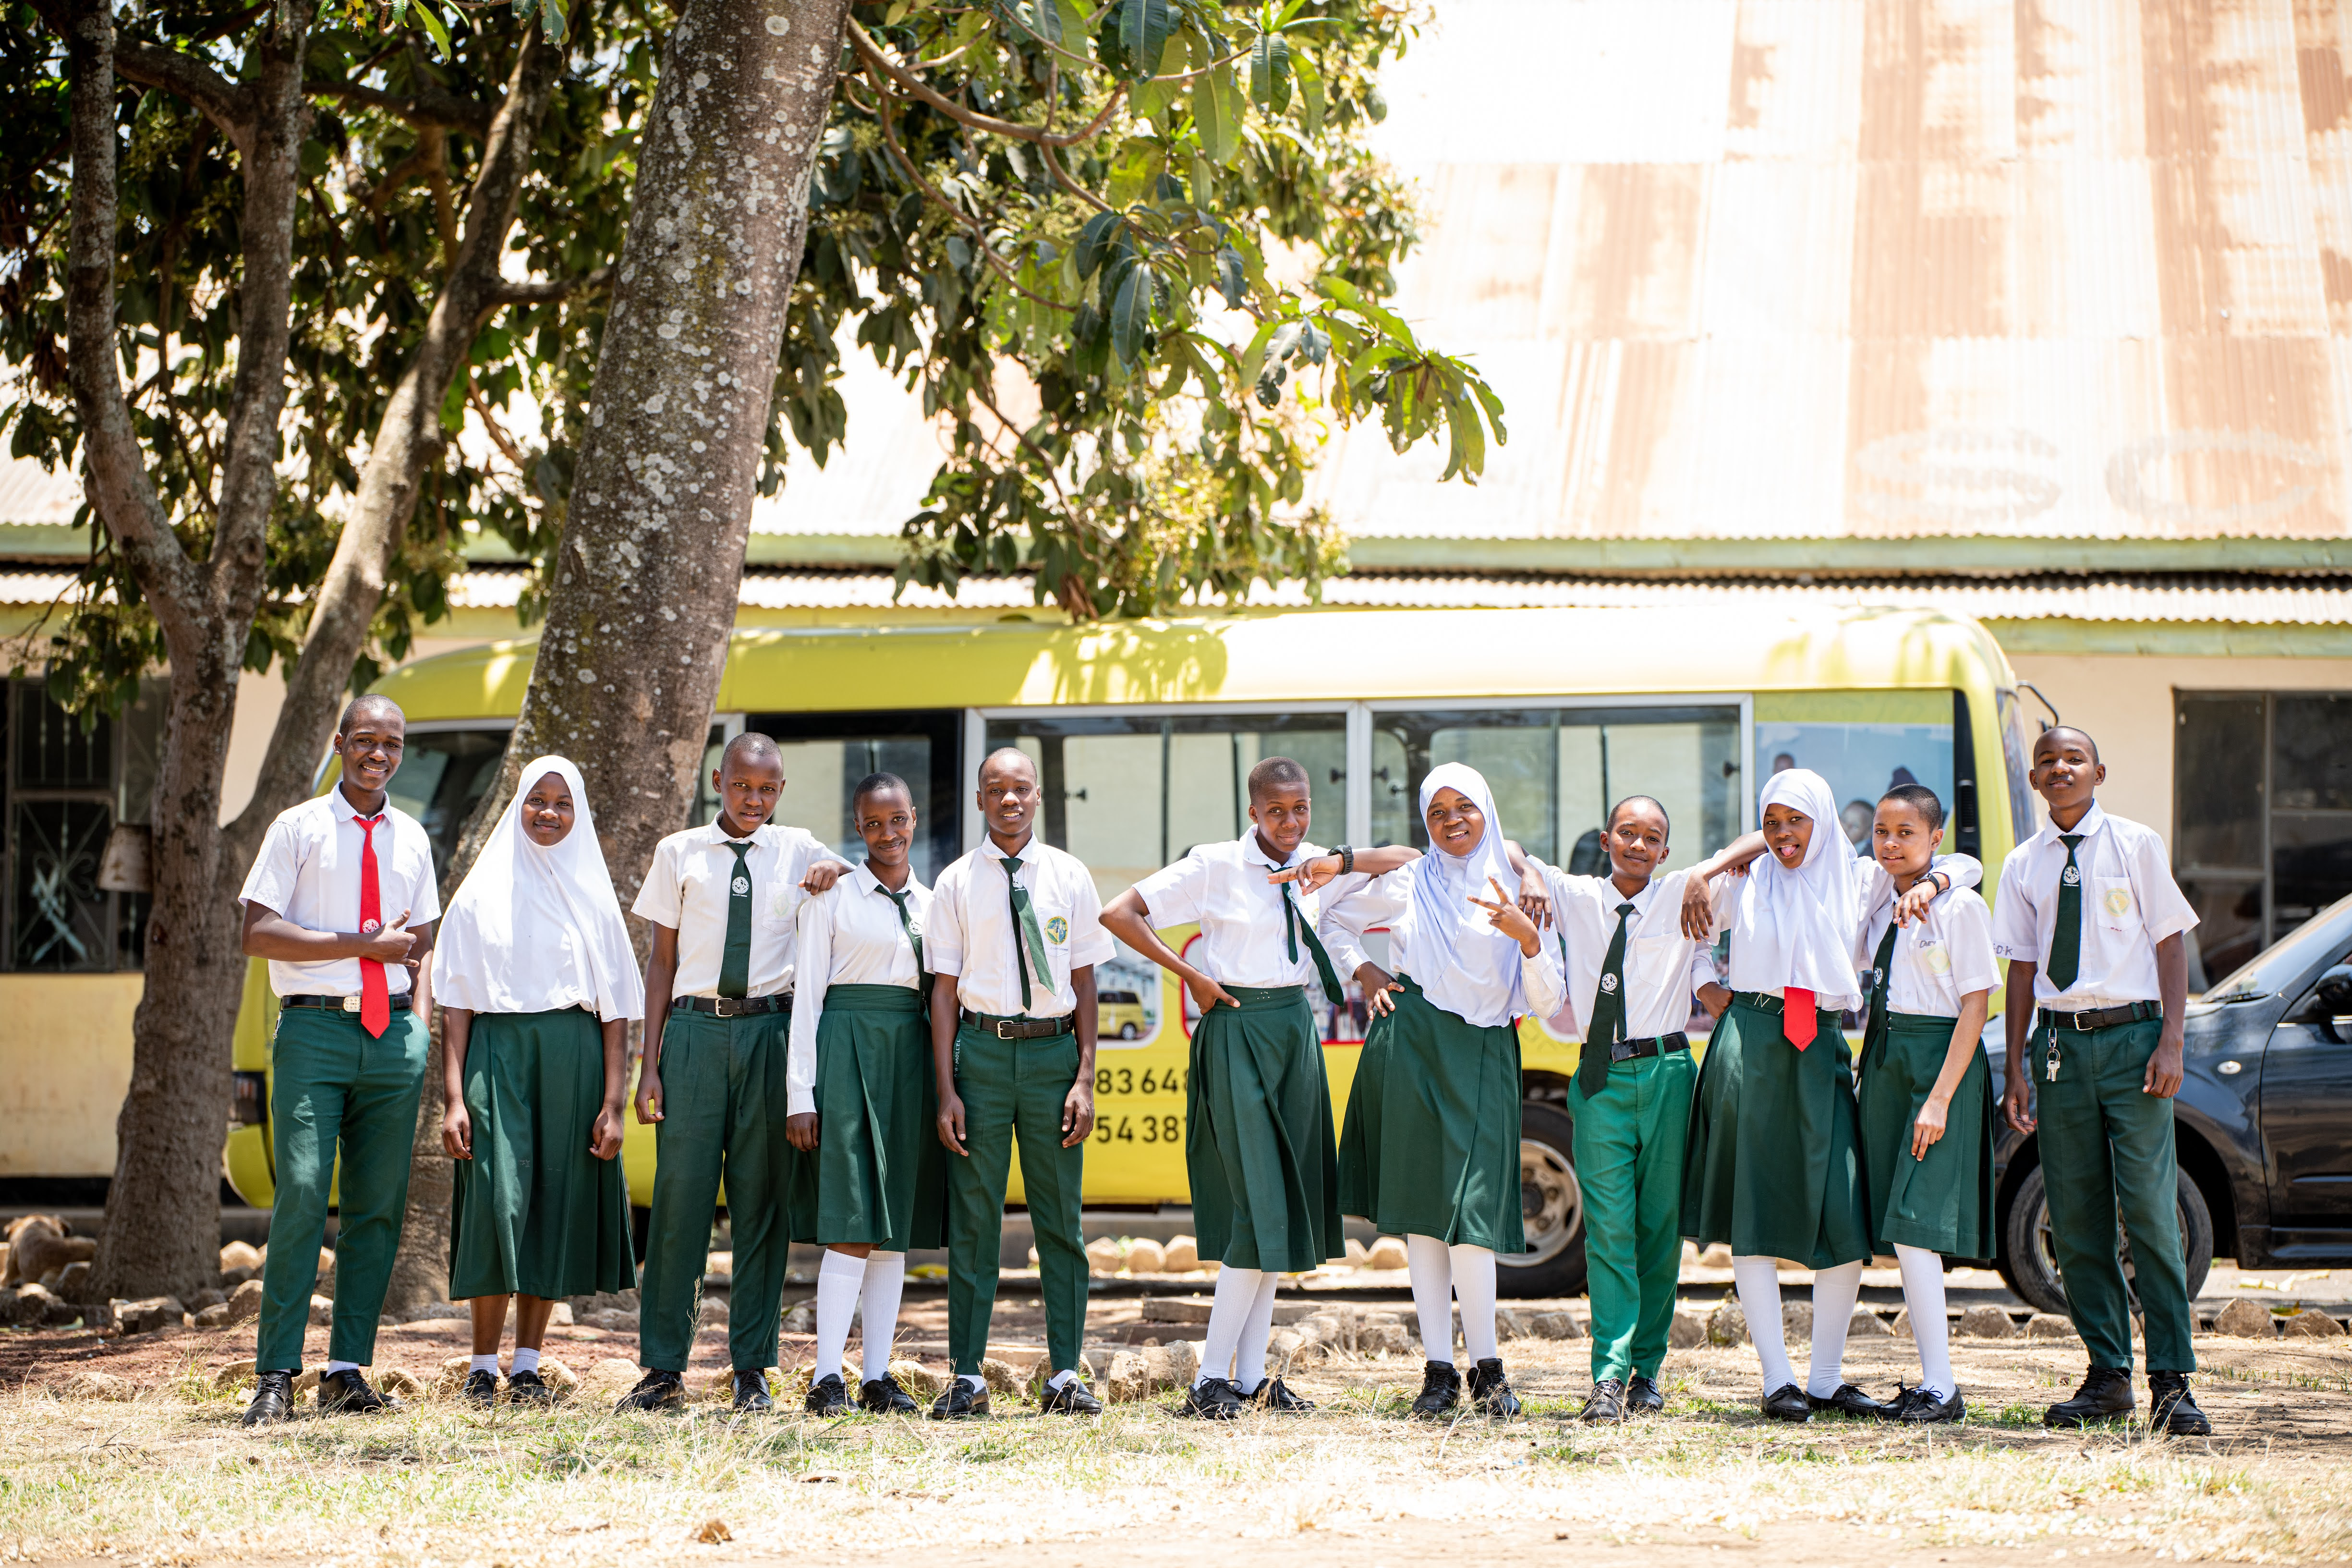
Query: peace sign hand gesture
(1507, 918)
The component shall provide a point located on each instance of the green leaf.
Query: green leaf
(1233, 283)
(1269, 81)
(1310, 94)
(1044, 19)
(1094, 242)
(1130, 313)
(1150, 99)
(1217, 113)
(1135, 170)
(1144, 29)
(433, 25)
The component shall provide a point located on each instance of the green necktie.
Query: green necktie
(735, 963)
(907, 924)
(1294, 925)
(1607, 1025)
(1873, 1035)
(2066, 941)
(1028, 941)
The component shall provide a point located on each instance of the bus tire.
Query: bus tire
(1125, 1031)
(2030, 1266)
(1552, 1206)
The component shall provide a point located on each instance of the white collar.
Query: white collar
(1613, 895)
(1253, 852)
(996, 852)
(341, 805)
(712, 833)
(2092, 822)
(870, 884)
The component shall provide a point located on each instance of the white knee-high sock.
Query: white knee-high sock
(1835, 1291)
(1228, 1319)
(1922, 1292)
(1249, 1356)
(1433, 1295)
(837, 1280)
(1473, 1287)
(1757, 1280)
(878, 1308)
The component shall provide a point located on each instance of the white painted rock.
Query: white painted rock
(1388, 1252)
(322, 1311)
(1182, 1254)
(1146, 1256)
(1103, 1255)
(239, 1255)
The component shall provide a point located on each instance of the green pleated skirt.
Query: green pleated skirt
(1258, 1135)
(1943, 1203)
(535, 1211)
(878, 1174)
(1431, 1146)
(1774, 1164)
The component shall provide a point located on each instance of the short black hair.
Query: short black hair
(880, 784)
(1651, 800)
(1273, 772)
(1920, 798)
(750, 747)
(367, 702)
(1026, 760)
(2081, 734)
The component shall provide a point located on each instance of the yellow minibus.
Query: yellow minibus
(1143, 734)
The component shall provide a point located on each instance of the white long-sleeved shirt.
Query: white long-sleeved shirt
(2129, 903)
(850, 935)
(1355, 903)
(1663, 968)
(1243, 938)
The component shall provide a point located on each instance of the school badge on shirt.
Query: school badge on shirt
(1057, 931)
(2118, 900)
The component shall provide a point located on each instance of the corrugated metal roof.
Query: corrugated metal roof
(31, 495)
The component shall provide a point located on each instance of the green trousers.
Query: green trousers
(334, 1087)
(2107, 1144)
(723, 1103)
(1012, 1088)
(1629, 1144)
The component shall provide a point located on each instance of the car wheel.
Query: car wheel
(2028, 1260)
(1126, 1031)
(1551, 1205)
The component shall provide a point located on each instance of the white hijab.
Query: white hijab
(1797, 928)
(1460, 961)
(523, 902)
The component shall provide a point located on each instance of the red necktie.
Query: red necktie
(376, 994)
(1797, 1020)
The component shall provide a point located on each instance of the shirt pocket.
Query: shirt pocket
(1933, 958)
(1054, 925)
(779, 904)
(2113, 905)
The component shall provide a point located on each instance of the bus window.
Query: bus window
(1863, 743)
(826, 755)
(1556, 770)
(442, 775)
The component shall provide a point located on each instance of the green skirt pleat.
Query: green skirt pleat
(879, 1174)
(1945, 1201)
(534, 1210)
(1431, 1146)
(1258, 1135)
(1774, 1166)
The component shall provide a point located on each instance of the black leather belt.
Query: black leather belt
(1656, 1046)
(733, 1007)
(339, 1003)
(1018, 1029)
(2104, 1018)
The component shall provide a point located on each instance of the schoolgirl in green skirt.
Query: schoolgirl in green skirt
(1926, 1093)
(868, 1176)
(537, 982)
(1431, 1145)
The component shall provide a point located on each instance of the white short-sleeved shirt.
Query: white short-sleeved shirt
(687, 889)
(308, 871)
(1938, 959)
(849, 935)
(1354, 903)
(972, 934)
(2130, 903)
(1243, 938)
(1661, 973)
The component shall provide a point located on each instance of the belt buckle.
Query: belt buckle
(1003, 1025)
(351, 1003)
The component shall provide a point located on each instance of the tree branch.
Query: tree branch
(939, 198)
(228, 105)
(547, 290)
(869, 51)
(432, 109)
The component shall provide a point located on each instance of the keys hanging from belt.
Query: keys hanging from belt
(2050, 1060)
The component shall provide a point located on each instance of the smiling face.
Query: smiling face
(885, 820)
(1455, 823)
(1281, 811)
(748, 787)
(1788, 833)
(2068, 770)
(548, 811)
(1902, 840)
(374, 733)
(1637, 840)
(1008, 795)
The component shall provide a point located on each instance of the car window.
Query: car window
(2284, 962)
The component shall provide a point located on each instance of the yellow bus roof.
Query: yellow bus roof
(1299, 655)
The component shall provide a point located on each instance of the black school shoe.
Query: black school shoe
(2172, 1410)
(1274, 1397)
(1071, 1399)
(752, 1396)
(828, 1396)
(883, 1396)
(481, 1388)
(1490, 1391)
(273, 1398)
(529, 1388)
(1441, 1390)
(1788, 1402)
(2106, 1393)
(1918, 1406)
(655, 1390)
(1605, 1402)
(1211, 1399)
(346, 1393)
(1850, 1401)
(1644, 1397)
(960, 1402)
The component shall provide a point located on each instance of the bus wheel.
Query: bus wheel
(1126, 1031)
(2029, 1258)
(1551, 1205)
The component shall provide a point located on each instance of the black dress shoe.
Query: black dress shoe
(1644, 1397)
(2172, 1410)
(657, 1390)
(2107, 1392)
(346, 1393)
(481, 1388)
(751, 1397)
(529, 1388)
(1849, 1401)
(1920, 1407)
(1605, 1402)
(1441, 1390)
(1490, 1391)
(1071, 1399)
(1211, 1399)
(1788, 1402)
(1275, 1397)
(273, 1398)
(961, 1401)
(883, 1396)
(828, 1396)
